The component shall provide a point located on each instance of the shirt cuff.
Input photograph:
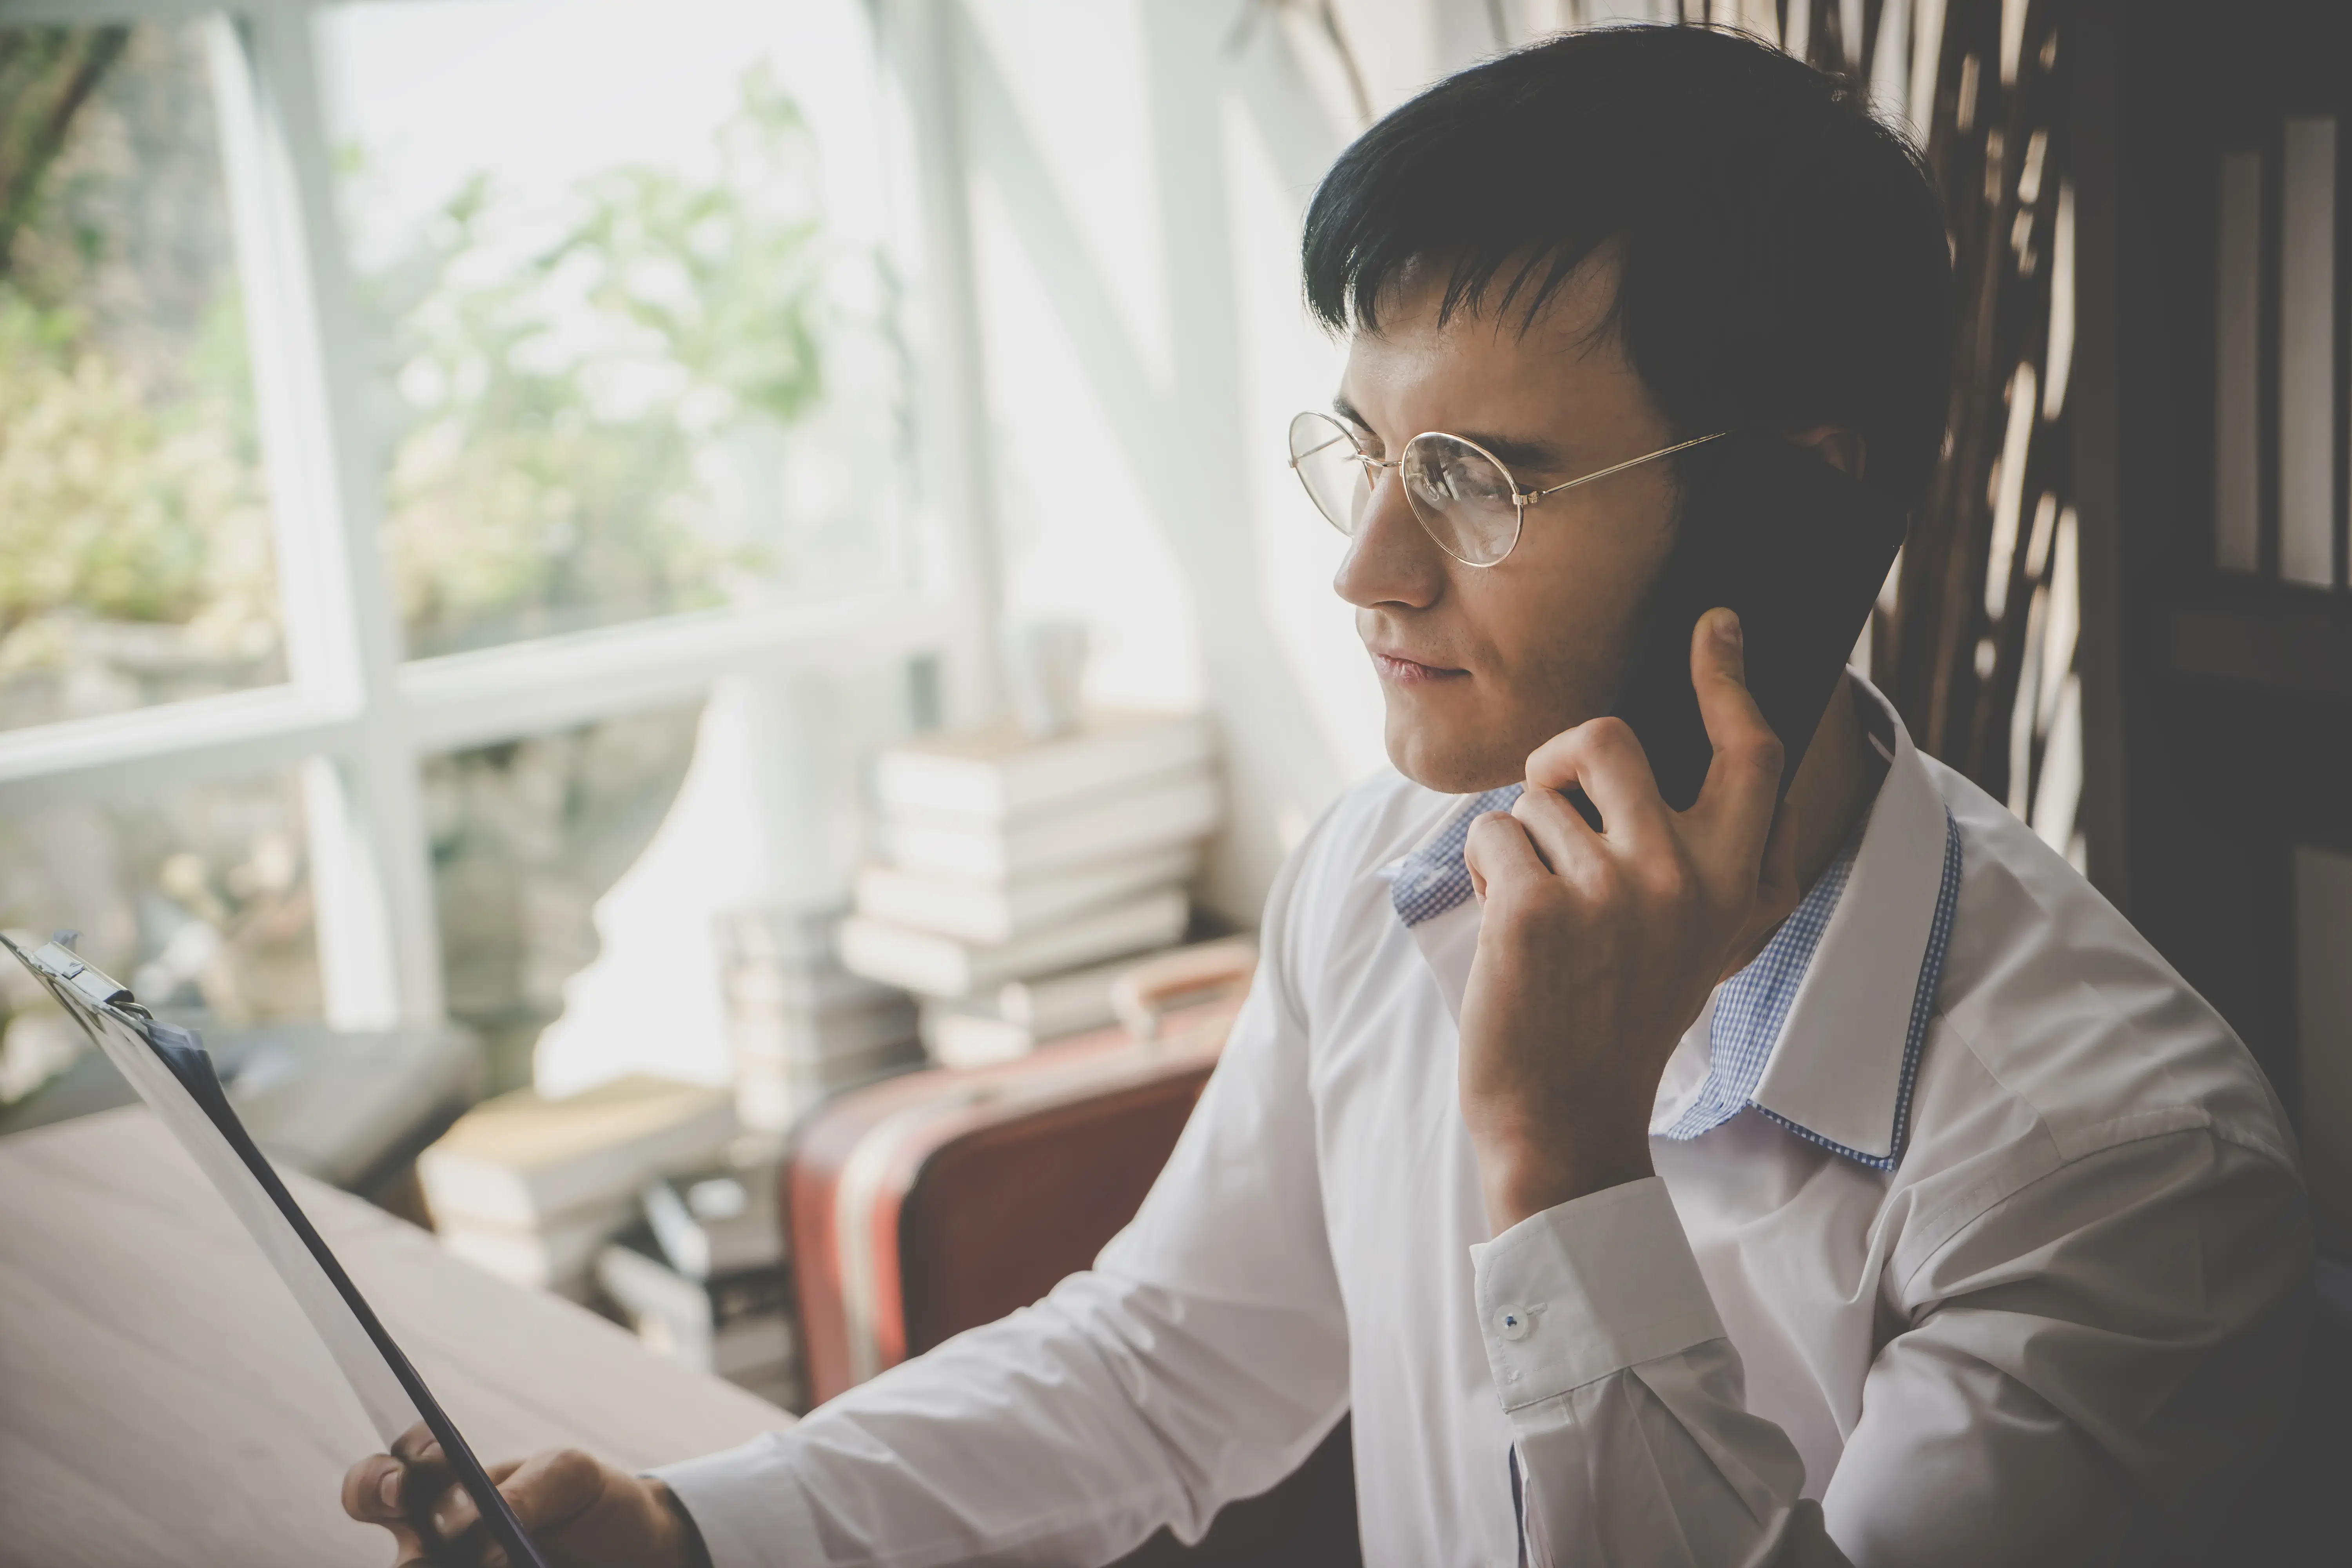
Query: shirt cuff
(746, 1503)
(1592, 1286)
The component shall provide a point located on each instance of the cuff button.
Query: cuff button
(1511, 1322)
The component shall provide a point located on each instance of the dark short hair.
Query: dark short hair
(1784, 262)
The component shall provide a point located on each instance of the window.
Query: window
(526, 836)
(619, 291)
(136, 565)
(414, 406)
(196, 896)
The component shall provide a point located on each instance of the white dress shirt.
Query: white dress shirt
(1975, 1237)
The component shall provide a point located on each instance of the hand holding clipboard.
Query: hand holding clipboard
(445, 1506)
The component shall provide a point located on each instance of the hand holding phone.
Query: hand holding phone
(1797, 549)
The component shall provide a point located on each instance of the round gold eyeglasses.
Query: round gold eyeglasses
(1464, 497)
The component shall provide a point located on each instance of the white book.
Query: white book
(731, 1326)
(522, 1157)
(999, 774)
(1172, 809)
(984, 911)
(830, 989)
(942, 966)
(717, 1224)
(791, 936)
(1056, 1004)
(551, 1257)
(829, 1072)
(2237, 354)
(771, 1093)
(955, 1038)
(1064, 1004)
(2307, 356)
(762, 1032)
(1024, 1014)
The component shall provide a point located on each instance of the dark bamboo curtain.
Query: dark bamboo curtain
(1976, 643)
(1974, 639)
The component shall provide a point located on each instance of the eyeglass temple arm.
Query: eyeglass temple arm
(1527, 496)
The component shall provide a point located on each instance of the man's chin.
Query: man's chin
(1450, 764)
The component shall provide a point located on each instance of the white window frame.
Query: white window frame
(354, 718)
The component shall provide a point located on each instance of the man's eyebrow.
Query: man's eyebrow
(1539, 457)
(1514, 453)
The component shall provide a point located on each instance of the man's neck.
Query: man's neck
(1834, 784)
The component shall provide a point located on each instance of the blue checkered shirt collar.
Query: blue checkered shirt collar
(1752, 1009)
(1434, 878)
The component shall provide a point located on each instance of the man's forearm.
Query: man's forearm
(1661, 1466)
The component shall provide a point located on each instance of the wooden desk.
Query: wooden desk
(162, 1401)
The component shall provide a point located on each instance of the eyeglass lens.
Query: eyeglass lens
(1462, 499)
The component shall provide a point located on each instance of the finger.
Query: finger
(373, 1490)
(377, 1491)
(1560, 836)
(452, 1517)
(1500, 855)
(417, 1445)
(455, 1512)
(1744, 778)
(1604, 757)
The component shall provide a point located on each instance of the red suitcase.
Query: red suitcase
(934, 1202)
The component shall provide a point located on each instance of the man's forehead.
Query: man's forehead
(1517, 298)
(1483, 360)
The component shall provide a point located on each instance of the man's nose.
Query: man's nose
(1390, 558)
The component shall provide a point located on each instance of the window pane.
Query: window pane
(199, 900)
(527, 836)
(618, 260)
(135, 558)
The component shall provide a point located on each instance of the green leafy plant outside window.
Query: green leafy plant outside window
(554, 413)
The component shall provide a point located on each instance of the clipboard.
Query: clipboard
(173, 1074)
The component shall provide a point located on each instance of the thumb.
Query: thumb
(551, 1489)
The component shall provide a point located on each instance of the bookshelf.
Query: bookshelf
(2218, 701)
(2297, 643)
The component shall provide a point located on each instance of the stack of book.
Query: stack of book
(530, 1187)
(1008, 866)
(1016, 1017)
(703, 1280)
(801, 1026)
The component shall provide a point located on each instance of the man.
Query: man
(1848, 1183)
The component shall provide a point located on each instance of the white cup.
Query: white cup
(1045, 671)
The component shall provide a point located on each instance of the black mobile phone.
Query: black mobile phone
(1798, 550)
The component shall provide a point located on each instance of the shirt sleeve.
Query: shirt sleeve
(1200, 1361)
(2091, 1369)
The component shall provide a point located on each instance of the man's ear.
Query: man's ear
(1844, 448)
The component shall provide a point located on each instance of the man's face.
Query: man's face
(1479, 666)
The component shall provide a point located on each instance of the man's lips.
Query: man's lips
(1410, 672)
